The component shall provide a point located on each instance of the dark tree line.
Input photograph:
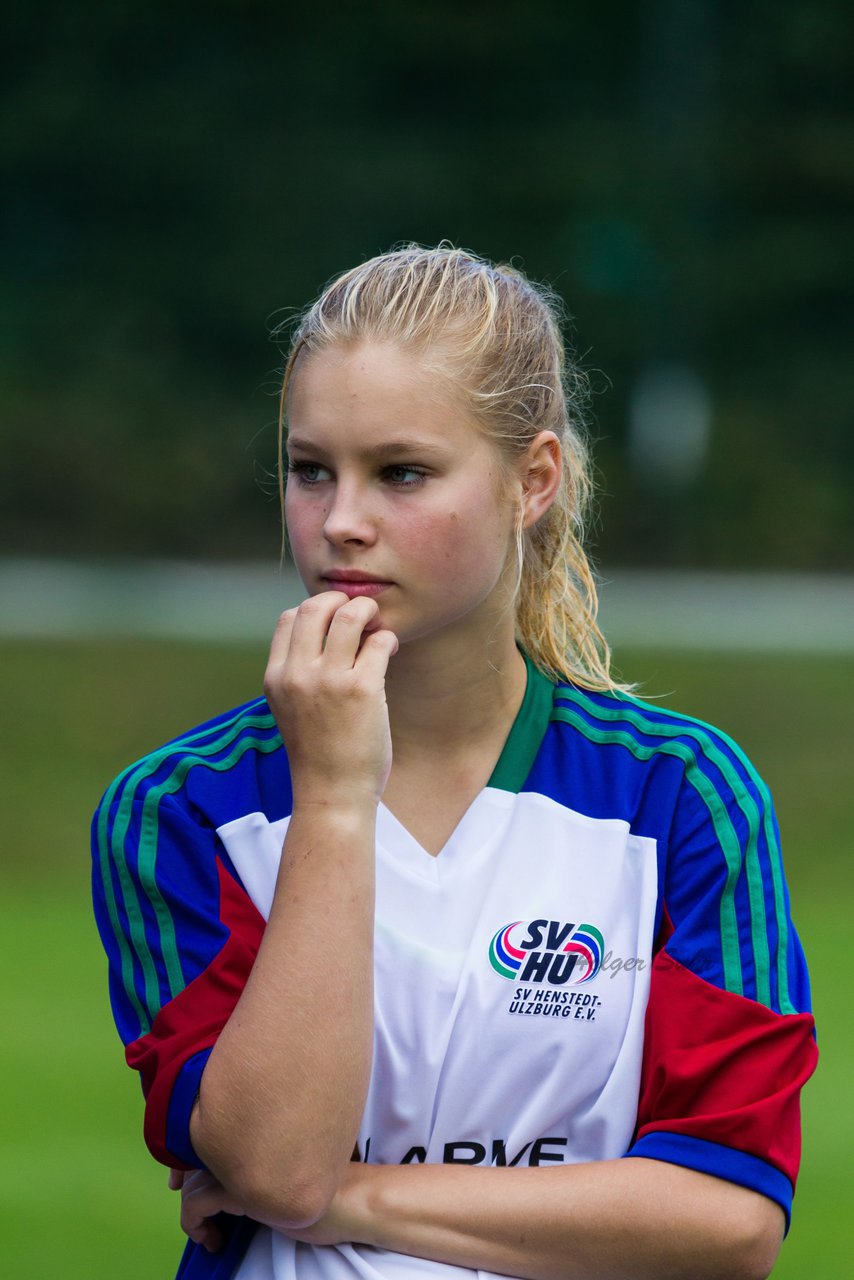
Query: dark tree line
(180, 177)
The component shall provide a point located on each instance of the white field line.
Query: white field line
(784, 612)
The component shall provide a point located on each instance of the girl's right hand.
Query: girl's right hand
(325, 683)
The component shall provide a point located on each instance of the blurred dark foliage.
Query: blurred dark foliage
(180, 177)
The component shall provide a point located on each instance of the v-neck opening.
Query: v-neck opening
(470, 840)
(509, 775)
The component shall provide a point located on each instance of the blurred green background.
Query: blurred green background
(179, 179)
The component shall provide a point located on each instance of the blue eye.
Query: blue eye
(405, 477)
(307, 473)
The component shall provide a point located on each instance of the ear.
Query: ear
(540, 475)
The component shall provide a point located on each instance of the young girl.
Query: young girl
(413, 954)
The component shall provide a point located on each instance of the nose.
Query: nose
(349, 519)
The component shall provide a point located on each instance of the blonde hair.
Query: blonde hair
(495, 340)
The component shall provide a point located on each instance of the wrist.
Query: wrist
(358, 1200)
(334, 788)
(342, 806)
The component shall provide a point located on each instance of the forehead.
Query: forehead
(370, 393)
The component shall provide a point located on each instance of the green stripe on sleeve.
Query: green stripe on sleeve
(136, 921)
(632, 712)
(724, 830)
(114, 843)
(775, 858)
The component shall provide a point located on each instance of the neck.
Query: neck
(447, 696)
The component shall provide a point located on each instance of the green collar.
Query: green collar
(529, 727)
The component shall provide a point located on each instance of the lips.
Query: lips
(355, 583)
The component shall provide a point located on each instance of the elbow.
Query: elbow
(287, 1190)
(760, 1257)
(754, 1240)
(288, 1204)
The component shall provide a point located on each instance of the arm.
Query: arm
(622, 1217)
(282, 1094)
(642, 1219)
(182, 935)
(633, 1218)
(270, 1114)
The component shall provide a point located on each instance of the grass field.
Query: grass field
(79, 1197)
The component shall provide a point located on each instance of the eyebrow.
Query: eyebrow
(388, 449)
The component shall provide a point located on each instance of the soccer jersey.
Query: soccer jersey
(599, 963)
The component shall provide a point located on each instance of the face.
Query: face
(393, 493)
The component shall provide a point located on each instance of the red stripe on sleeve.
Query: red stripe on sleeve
(193, 1020)
(723, 1068)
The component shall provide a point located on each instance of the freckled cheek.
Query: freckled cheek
(304, 520)
(456, 542)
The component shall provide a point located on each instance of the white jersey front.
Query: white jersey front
(499, 1038)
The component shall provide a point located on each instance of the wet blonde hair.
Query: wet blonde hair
(494, 338)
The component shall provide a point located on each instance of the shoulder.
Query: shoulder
(663, 772)
(165, 892)
(648, 732)
(202, 766)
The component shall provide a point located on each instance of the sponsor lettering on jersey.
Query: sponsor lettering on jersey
(545, 957)
(540, 1151)
(579, 1005)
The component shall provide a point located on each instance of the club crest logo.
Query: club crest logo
(547, 951)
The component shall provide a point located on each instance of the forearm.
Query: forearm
(283, 1091)
(618, 1218)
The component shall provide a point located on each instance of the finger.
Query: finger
(201, 1199)
(311, 624)
(211, 1236)
(376, 652)
(176, 1179)
(202, 1196)
(201, 1230)
(280, 643)
(198, 1180)
(347, 630)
